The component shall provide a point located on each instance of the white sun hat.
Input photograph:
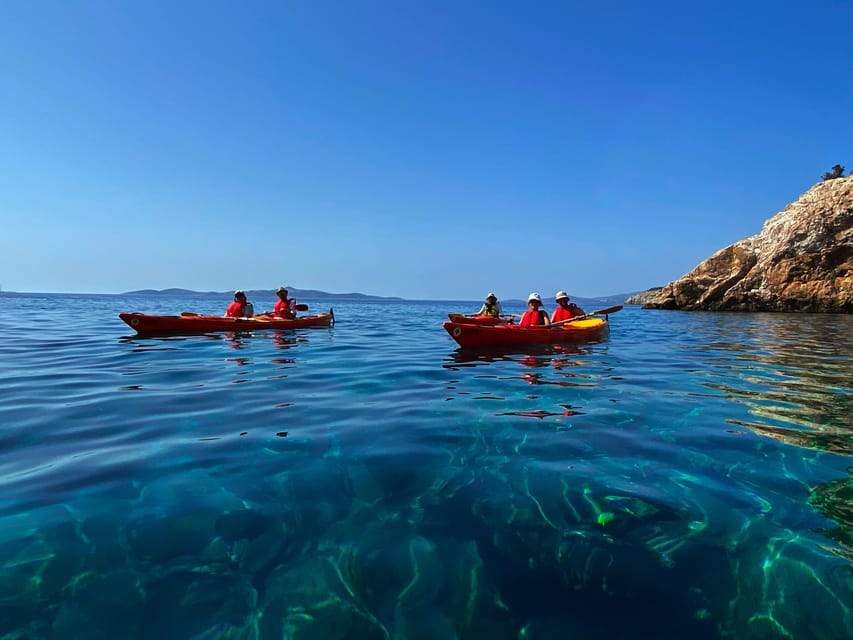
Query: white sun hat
(534, 296)
(560, 295)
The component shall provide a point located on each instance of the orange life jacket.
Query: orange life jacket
(532, 318)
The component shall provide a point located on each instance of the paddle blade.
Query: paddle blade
(600, 312)
(301, 307)
(189, 314)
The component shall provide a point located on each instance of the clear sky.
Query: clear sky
(429, 149)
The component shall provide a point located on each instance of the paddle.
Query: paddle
(600, 312)
(297, 307)
(193, 314)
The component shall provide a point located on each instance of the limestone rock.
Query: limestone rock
(801, 261)
(643, 296)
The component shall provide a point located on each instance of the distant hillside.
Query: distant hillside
(262, 293)
(255, 295)
(607, 301)
(170, 292)
(588, 304)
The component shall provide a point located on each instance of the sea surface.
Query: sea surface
(687, 477)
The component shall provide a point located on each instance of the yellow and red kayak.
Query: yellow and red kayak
(477, 319)
(472, 335)
(194, 323)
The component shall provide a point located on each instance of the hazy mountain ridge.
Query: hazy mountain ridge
(261, 293)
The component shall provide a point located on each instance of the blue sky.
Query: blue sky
(421, 149)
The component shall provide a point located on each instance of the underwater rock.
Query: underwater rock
(169, 538)
(185, 600)
(769, 577)
(362, 485)
(102, 606)
(835, 500)
(42, 551)
(310, 598)
(233, 596)
(195, 488)
(261, 552)
(245, 523)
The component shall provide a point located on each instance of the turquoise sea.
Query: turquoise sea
(688, 477)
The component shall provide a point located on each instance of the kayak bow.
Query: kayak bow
(476, 319)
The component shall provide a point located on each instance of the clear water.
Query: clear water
(689, 477)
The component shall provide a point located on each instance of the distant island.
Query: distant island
(262, 293)
(597, 301)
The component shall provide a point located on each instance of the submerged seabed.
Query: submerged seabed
(689, 477)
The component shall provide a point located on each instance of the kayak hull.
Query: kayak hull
(145, 323)
(470, 335)
(482, 320)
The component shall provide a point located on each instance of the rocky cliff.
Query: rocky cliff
(801, 261)
(644, 296)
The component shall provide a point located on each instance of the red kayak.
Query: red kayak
(472, 335)
(194, 323)
(477, 319)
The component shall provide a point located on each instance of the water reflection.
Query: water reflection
(287, 339)
(796, 376)
(562, 362)
(833, 440)
(541, 413)
(526, 353)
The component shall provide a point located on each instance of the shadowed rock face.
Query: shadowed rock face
(801, 261)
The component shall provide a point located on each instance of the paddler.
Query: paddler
(284, 307)
(534, 316)
(564, 310)
(240, 308)
(491, 307)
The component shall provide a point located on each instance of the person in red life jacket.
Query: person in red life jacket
(240, 308)
(284, 307)
(564, 310)
(534, 316)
